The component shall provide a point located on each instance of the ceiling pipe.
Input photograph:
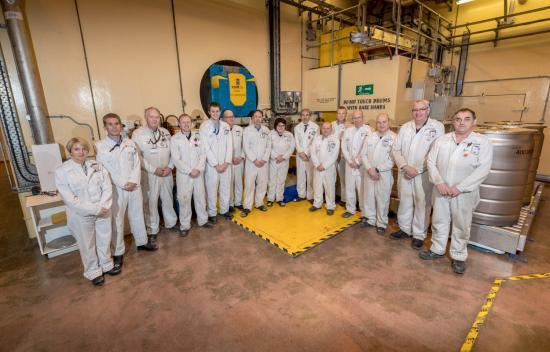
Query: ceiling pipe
(27, 69)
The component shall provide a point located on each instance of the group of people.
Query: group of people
(132, 174)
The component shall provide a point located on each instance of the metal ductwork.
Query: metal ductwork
(28, 70)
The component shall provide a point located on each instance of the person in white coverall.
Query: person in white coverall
(282, 147)
(324, 153)
(86, 189)
(189, 159)
(352, 144)
(257, 149)
(410, 152)
(378, 162)
(338, 128)
(153, 143)
(218, 143)
(304, 132)
(237, 165)
(457, 164)
(120, 157)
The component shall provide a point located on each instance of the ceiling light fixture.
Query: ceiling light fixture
(462, 2)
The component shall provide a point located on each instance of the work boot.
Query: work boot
(416, 243)
(330, 211)
(299, 199)
(380, 231)
(313, 208)
(239, 207)
(366, 223)
(347, 215)
(98, 281)
(245, 213)
(262, 208)
(282, 204)
(269, 204)
(183, 233)
(150, 245)
(117, 266)
(429, 255)
(212, 220)
(231, 211)
(397, 235)
(114, 271)
(459, 266)
(174, 228)
(227, 215)
(207, 225)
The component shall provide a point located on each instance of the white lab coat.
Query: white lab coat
(465, 166)
(304, 169)
(219, 150)
(154, 151)
(352, 144)
(85, 194)
(188, 154)
(257, 146)
(324, 151)
(415, 195)
(377, 154)
(284, 145)
(236, 195)
(121, 159)
(338, 130)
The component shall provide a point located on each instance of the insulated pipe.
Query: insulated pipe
(28, 70)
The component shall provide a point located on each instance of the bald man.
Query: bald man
(410, 152)
(352, 143)
(236, 195)
(378, 162)
(324, 153)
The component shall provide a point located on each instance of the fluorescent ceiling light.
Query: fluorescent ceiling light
(461, 2)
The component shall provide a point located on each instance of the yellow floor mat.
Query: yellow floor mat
(293, 228)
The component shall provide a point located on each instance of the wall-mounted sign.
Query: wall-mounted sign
(364, 89)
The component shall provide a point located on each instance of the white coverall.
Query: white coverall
(352, 144)
(377, 154)
(465, 166)
(154, 150)
(218, 144)
(121, 159)
(188, 154)
(338, 130)
(324, 151)
(257, 146)
(236, 195)
(85, 194)
(280, 145)
(415, 195)
(304, 169)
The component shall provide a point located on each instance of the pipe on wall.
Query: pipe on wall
(27, 69)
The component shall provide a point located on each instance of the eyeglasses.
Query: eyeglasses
(421, 109)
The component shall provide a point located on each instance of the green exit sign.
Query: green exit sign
(365, 89)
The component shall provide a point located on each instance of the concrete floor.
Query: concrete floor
(225, 290)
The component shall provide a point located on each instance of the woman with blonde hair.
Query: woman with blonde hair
(86, 189)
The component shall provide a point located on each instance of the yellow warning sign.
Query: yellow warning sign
(237, 89)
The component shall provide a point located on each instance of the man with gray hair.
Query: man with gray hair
(410, 152)
(304, 132)
(236, 194)
(153, 143)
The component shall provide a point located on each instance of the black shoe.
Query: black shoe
(282, 204)
(149, 246)
(227, 215)
(330, 211)
(397, 235)
(346, 215)
(313, 208)
(366, 224)
(183, 233)
(117, 269)
(429, 255)
(118, 259)
(239, 207)
(245, 213)
(231, 210)
(152, 238)
(173, 228)
(342, 204)
(98, 281)
(269, 204)
(299, 199)
(207, 225)
(262, 208)
(212, 220)
(310, 201)
(416, 243)
(458, 266)
(380, 230)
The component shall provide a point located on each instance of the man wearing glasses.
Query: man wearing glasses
(457, 164)
(410, 152)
